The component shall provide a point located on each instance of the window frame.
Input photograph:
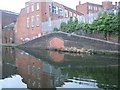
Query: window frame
(28, 22)
(37, 20)
(32, 21)
(37, 6)
(32, 7)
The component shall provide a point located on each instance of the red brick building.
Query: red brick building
(30, 19)
(89, 8)
(7, 20)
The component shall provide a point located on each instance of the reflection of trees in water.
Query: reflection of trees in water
(103, 75)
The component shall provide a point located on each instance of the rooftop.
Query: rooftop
(9, 12)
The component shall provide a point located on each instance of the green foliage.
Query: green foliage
(56, 29)
(63, 26)
(106, 23)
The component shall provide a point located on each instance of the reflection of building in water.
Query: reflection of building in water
(8, 60)
(56, 56)
(35, 72)
(8, 55)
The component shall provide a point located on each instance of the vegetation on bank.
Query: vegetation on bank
(106, 23)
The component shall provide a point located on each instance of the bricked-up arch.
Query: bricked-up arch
(56, 42)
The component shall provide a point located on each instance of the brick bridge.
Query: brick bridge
(60, 40)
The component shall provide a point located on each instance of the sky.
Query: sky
(17, 5)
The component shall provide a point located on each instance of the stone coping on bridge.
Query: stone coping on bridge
(87, 37)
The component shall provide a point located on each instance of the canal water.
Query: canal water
(36, 68)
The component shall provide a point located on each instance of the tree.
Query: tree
(56, 29)
(63, 27)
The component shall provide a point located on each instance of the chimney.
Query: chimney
(115, 3)
(79, 2)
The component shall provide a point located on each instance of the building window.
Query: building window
(55, 9)
(32, 7)
(89, 14)
(50, 7)
(50, 21)
(28, 69)
(61, 11)
(37, 20)
(38, 73)
(33, 70)
(74, 15)
(66, 13)
(27, 8)
(70, 14)
(32, 21)
(78, 17)
(89, 7)
(28, 22)
(96, 8)
(37, 6)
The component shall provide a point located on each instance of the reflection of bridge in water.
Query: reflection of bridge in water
(40, 68)
(73, 60)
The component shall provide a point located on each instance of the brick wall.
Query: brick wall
(8, 37)
(22, 33)
(73, 41)
(87, 7)
(107, 4)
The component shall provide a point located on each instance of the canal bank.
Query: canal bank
(85, 51)
(73, 50)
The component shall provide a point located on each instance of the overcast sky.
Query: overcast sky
(17, 5)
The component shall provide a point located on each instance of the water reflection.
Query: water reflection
(56, 56)
(79, 83)
(16, 82)
(45, 69)
(9, 63)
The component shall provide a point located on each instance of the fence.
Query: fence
(47, 27)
